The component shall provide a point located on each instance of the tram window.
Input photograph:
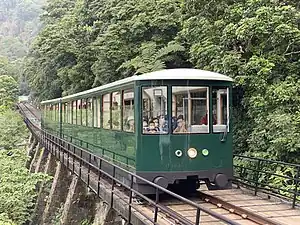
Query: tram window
(89, 112)
(66, 112)
(79, 106)
(57, 112)
(128, 110)
(95, 112)
(84, 112)
(77, 112)
(106, 110)
(73, 112)
(99, 112)
(190, 109)
(220, 109)
(116, 111)
(154, 110)
(63, 112)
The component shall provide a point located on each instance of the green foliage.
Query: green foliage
(19, 24)
(270, 176)
(88, 43)
(8, 91)
(151, 59)
(13, 129)
(18, 186)
(4, 220)
(257, 43)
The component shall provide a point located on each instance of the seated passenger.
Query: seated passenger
(156, 123)
(163, 123)
(180, 126)
(145, 124)
(204, 120)
(152, 128)
(130, 124)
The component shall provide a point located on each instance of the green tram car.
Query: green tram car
(171, 127)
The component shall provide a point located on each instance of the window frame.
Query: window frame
(119, 128)
(208, 91)
(109, 110)
(228, 108)
(126, 90)
(141, 108)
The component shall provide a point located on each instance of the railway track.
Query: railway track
(231, 211)
(234, 209)
(207, 199)
(30, 112)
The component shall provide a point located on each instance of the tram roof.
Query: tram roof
(167, 74)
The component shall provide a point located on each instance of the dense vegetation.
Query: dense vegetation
(88, 43)
(17, 184)
(19, 24)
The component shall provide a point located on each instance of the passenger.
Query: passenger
(145, 124)
(156, 123)
(180, 126)
(174, 123)
(152, 128)
(163, 123)
(130, 124)
(204, 120)
(145, 121)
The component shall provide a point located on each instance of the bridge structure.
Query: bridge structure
(251, 201)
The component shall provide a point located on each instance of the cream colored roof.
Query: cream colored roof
(168, 74)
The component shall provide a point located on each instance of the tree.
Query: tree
(257, 43)
(8, 91)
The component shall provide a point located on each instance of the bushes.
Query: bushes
(17, 184)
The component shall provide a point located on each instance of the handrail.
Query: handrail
(259, 174)
(266, 160)
(59, 142)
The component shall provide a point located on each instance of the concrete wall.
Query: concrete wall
(65, 200)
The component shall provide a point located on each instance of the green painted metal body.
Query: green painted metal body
(157, 152)
(154, 153)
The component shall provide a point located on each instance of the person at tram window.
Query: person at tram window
(145, 124)
(130, 124)
(156, 122)
(163, 123)
(145, 121)
(152, 128)
(204, 120)
(116, 115)
(180, 125)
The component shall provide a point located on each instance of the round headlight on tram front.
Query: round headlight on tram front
(192, 153)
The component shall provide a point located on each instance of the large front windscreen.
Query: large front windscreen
(190, 112)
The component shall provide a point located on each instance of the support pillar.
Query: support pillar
(37, 150)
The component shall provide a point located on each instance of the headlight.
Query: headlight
(192, 153)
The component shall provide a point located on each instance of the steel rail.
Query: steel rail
(157, 206)
(245, 214)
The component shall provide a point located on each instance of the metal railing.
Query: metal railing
(74, 157)
(110, 155)
(272, 177)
